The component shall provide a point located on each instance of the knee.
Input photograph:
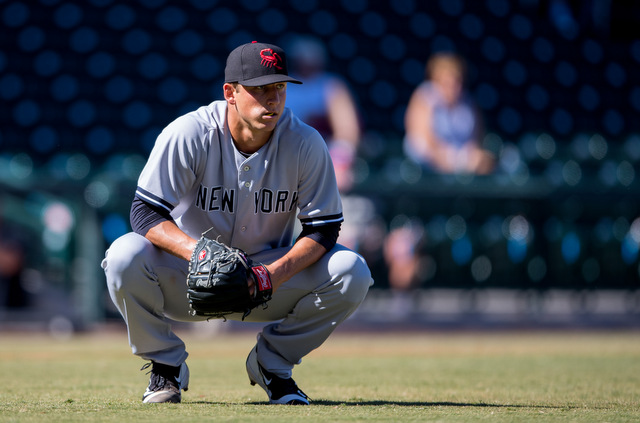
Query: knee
(122, 260)
(355, 274)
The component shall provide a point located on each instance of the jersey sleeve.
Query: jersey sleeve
(319, 198)
(176, 160)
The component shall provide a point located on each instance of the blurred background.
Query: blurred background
(549, 235)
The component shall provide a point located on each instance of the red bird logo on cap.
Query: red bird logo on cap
(270, 59)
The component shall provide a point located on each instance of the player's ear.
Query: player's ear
(229, 93)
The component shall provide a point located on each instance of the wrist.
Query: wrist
(262, 278)
(274, 275)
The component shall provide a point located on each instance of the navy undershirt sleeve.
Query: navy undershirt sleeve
(144, 216)
(325, 235)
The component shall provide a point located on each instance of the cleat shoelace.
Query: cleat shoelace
(157, 381)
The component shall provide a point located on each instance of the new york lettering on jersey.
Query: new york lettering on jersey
(266, 201)
(217, 198)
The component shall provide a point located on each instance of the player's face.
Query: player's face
(260, 108)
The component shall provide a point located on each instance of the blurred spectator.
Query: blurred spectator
(443, 133)
(12, 256)
(325, 102)
(401, 254)
(443, 127)
(406, 265)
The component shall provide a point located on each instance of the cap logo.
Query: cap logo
(270, 59)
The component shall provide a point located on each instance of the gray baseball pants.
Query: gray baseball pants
(148, 287)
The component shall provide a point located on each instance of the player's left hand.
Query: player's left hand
(223, 280)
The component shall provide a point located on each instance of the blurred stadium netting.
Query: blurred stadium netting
(86, 86)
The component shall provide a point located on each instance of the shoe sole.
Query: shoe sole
(162, 397)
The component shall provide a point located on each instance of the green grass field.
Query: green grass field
(430, 377)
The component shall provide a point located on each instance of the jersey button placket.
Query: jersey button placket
(245, 175)
(245, 180)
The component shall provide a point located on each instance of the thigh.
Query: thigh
(170, 273)
(172, 277)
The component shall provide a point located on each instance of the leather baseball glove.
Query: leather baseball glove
(218, 281)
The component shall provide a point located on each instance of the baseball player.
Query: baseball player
(244, 169)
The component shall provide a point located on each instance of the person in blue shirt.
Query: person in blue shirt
(326, 103)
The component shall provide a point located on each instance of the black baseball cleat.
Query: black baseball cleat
(280, 391)
(165, 383)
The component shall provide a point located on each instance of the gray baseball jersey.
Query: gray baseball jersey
(195, 172)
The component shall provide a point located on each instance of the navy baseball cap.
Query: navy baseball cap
(255, 64)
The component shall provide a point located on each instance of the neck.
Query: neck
(246, 139)
(249, 142)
